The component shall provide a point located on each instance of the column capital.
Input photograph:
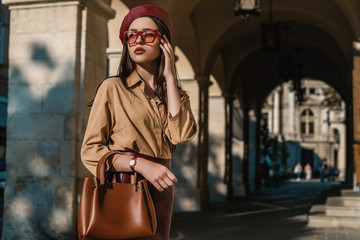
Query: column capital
(97, 5)
(229, 96)
(203, 80)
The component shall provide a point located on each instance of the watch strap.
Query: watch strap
(132, 163)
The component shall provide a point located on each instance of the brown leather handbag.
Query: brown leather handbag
(115, 210)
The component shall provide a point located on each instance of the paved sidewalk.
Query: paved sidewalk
(271, 213)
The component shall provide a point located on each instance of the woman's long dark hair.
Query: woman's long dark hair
(128, 66)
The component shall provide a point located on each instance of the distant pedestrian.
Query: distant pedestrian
(308, 171)
(298, 170)
(323, 171)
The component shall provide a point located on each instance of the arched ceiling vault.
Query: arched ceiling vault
(258, 73)
(351, 9)
(206, 29)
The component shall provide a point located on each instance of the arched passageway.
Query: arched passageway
(224, 49)
(310, 131)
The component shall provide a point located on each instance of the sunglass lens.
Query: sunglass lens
(149, 36)
(131, 37)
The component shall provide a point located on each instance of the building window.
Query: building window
(336, 135)
(311, 128)
(307, 122)
(312, 90)
(303, 128)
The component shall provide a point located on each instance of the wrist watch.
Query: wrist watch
(132, 163)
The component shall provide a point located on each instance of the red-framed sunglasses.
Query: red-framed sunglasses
(147, 36)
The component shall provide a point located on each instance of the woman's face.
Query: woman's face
(139, 51)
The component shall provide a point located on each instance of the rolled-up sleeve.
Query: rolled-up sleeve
(97, 134)
(181, 127)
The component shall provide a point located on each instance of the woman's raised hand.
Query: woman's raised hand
(169, 69)
(158, 175)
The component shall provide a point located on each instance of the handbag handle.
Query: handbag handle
(100, 170)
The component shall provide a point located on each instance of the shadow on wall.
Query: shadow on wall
(184, 164)
(238, 124)
(216, 168)
(38, 195)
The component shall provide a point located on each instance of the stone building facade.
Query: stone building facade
(314, 132)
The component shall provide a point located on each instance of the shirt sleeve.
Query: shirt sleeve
(99, 127)
(182, 127)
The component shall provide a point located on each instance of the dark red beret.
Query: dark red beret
(143, 11)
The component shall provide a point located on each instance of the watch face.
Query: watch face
(132, 162)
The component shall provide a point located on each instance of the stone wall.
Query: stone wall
(57, 49)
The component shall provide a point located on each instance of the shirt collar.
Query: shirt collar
(133, 79)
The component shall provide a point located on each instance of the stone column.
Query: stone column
(203, 138)
(356, 112)
(57, 55)
(276, 116)
(114, 56)
(246, 160)
(252, 143)
(257, 118)
(291, 113)
(281, 95)
(228, 145)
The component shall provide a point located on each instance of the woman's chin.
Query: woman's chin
(143, 59)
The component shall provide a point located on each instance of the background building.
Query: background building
(314, 129)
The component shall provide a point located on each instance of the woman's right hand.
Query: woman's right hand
(158, 175)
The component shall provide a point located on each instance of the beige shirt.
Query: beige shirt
(129, 120)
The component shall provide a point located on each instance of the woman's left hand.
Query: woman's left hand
(169, 69)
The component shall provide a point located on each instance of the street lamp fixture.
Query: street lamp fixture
(247, 8)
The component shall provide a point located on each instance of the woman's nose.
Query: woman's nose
(139, 39)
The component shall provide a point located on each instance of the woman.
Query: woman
(308, 172)
(142, 109)
(298, 171)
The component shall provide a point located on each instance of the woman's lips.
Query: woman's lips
(139, 50)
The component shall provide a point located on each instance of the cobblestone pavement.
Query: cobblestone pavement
(271, 213)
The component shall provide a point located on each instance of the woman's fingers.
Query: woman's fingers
(167, 179)
(158, 186)
(172, 177)
(158, 175)
(171, 50)
(169, 182)
(167, 49)
(163, 184)
(165, 44)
